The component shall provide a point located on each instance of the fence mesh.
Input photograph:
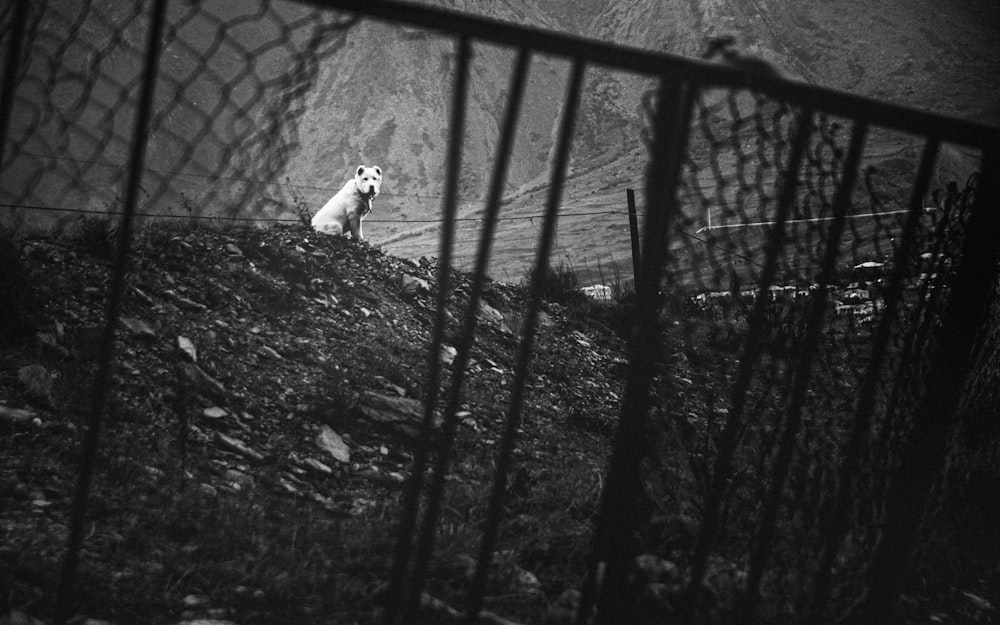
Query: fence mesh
(782, 355)
(229, 94)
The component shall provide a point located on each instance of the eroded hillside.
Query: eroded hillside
(265, 406)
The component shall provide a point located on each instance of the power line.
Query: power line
(514, 218)
(289, 219)
(227, 178)
(167, 215)
(675, 228)
(230, 178)
(718, 247)
(294, 220)
(404, 221)
(164, 171)
(800, 221)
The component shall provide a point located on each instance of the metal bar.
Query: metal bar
(922, 318)
(866, 397)
(428, 529)
(623, 500)
(729, 437)
(633, 229)
(547, 237)
(764, 541)
(701, 72)
(18, 26)
(102, 382)
(926, 446)
(404, 541)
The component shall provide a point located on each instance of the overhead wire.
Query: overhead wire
(228, 178)
(94, 211)
(369, 220)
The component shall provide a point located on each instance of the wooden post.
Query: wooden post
(633, 227)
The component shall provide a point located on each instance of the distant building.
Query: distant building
(598, 291)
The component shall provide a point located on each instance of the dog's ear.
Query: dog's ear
(360, 171)
(378, 170)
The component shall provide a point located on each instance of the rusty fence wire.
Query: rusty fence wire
(848, 293)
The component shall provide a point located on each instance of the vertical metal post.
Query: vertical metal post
(18, 27)
(767, 529)
(513, 422)
(926, 446)
(633, 228)
(428, 530)
(102, 383)
(729, 437)
(623, 500)
(850, 465)
(408, 523)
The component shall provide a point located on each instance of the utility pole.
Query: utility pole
(633, 227)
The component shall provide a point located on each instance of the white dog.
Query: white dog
(344, 212)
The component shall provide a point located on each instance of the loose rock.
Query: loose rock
(411, 286)
(448, 354)
(184, 302)
(401, 415)
(214, 412)
(202, 382)
(238, 446)
(270, 353)
(331, 442)
(16, 415)
(37, 381)
(187, 349)
(138, 328)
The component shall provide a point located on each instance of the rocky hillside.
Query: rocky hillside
(264, 411)
(266, 393)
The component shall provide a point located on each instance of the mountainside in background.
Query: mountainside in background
(386, 96)
(263, 112)
(937, 56)
(385, 99)
(920, 54)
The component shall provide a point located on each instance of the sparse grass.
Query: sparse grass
(18, 305)
(302, 209)
(96, 235)
(559, 284)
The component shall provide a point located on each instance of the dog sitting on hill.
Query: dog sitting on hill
(344, 212)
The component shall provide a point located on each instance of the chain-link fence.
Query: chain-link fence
(807, 242)
(229, 91)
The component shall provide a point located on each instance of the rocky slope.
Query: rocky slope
(264, 409)
(265, 406)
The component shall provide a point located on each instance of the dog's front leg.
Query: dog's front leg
(355, 225)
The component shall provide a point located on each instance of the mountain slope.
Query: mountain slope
(930, 55)
(917, 54)
(265, 406)
(262, 112)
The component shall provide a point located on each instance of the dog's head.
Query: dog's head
(368, 181)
